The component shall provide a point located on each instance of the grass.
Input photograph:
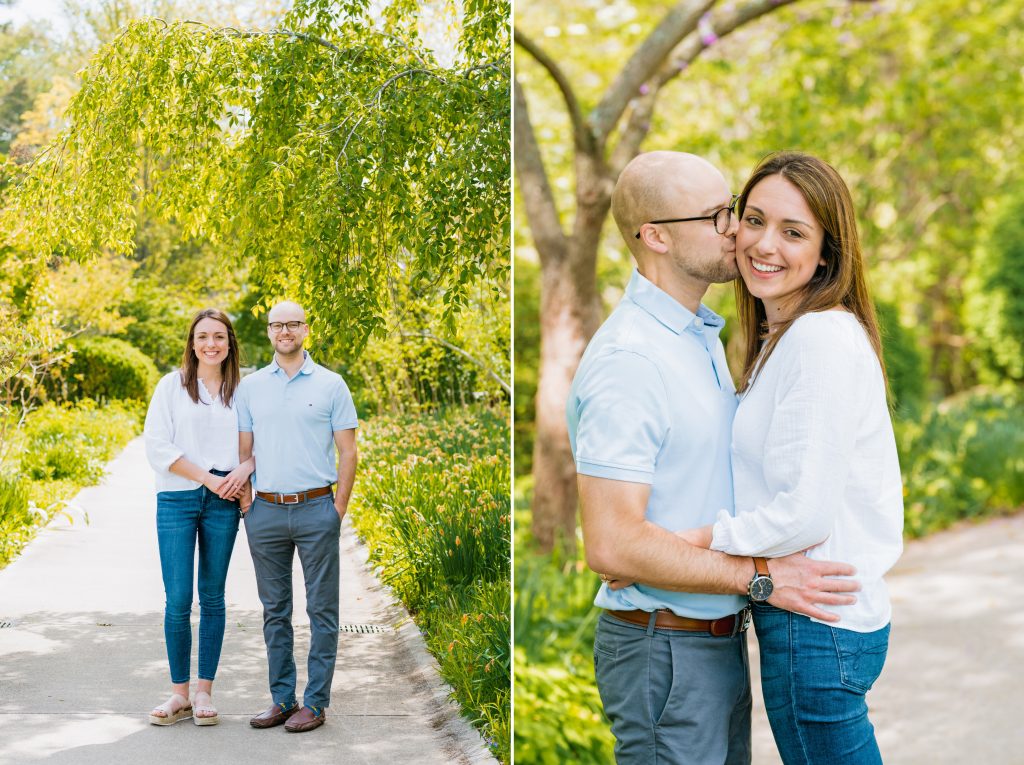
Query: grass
(432, 503)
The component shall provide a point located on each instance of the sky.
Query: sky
(434, 24)
(22, 11)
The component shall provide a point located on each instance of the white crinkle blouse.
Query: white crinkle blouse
(205, 434)
(814, 462)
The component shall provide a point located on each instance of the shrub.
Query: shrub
(63, 460)
(559, 717)
(73, 441)
(994, 305)
(965, 459)
(15, 517)
(904, 363)
(105, 368)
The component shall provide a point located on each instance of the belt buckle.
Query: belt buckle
(286, 502)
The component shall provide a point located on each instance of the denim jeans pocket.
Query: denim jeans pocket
(604, 647)
(861, 656)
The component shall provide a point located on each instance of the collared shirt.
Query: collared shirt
(652, 402)
(204, 433)
(293, 424)
(814, 458)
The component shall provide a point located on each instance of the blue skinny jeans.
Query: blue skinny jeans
(815, 679)
(184, 518)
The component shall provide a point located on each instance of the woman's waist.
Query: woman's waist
(872, 611)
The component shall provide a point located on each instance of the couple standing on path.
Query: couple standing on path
(686, 492)
(212, 438)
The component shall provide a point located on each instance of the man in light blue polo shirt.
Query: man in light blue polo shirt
(293, 415)
(650, 421)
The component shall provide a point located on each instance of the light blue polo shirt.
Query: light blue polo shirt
(652, 402)
(293, 423)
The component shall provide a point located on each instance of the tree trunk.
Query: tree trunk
(570, 314)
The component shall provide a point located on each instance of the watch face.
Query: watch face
(761, 589)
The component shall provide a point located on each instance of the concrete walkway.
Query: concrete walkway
(953, 685)
(82, 658)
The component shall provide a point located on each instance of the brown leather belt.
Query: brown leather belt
(293, 499)
(727, 626)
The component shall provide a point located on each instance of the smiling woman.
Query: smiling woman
(813, 453)
(192, 444)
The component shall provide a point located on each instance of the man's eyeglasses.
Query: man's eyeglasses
(722, 218)
(277, 326)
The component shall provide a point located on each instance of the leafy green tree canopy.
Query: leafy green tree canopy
(334, 154)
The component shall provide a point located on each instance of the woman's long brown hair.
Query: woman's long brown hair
(229, 374)
(842, 281)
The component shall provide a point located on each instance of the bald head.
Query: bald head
(663, 184)
(287, 310)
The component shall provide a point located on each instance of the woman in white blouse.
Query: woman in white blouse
(191, 437)
(813, 451)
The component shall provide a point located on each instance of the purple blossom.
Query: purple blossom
(644, 89)
(706, 30)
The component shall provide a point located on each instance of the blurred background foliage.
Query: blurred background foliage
(918, 105)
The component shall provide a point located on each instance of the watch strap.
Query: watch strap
(761, 567)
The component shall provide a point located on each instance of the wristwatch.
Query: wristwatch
(761, 586)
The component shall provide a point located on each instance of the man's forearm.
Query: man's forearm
(655, 556)
(347, 462)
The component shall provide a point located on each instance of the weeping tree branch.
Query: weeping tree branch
(425, 334)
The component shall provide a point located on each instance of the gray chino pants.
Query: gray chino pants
(673, 698)
(275, 532)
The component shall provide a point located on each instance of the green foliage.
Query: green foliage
(26, 62)
(423, 362)
(904, 364)
(527, 345)
(16, 519)
(964, 460)
(468, 633)
(558, 715)
(328, 154)
(75, 440)
(105, 368)
(160, 323)
(995, 310)
(432, 504)
(558, 711)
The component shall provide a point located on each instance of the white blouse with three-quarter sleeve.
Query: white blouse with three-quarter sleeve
(204, 433)
(814, 462)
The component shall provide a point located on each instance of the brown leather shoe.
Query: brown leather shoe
(273, 717)
(305, 719)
